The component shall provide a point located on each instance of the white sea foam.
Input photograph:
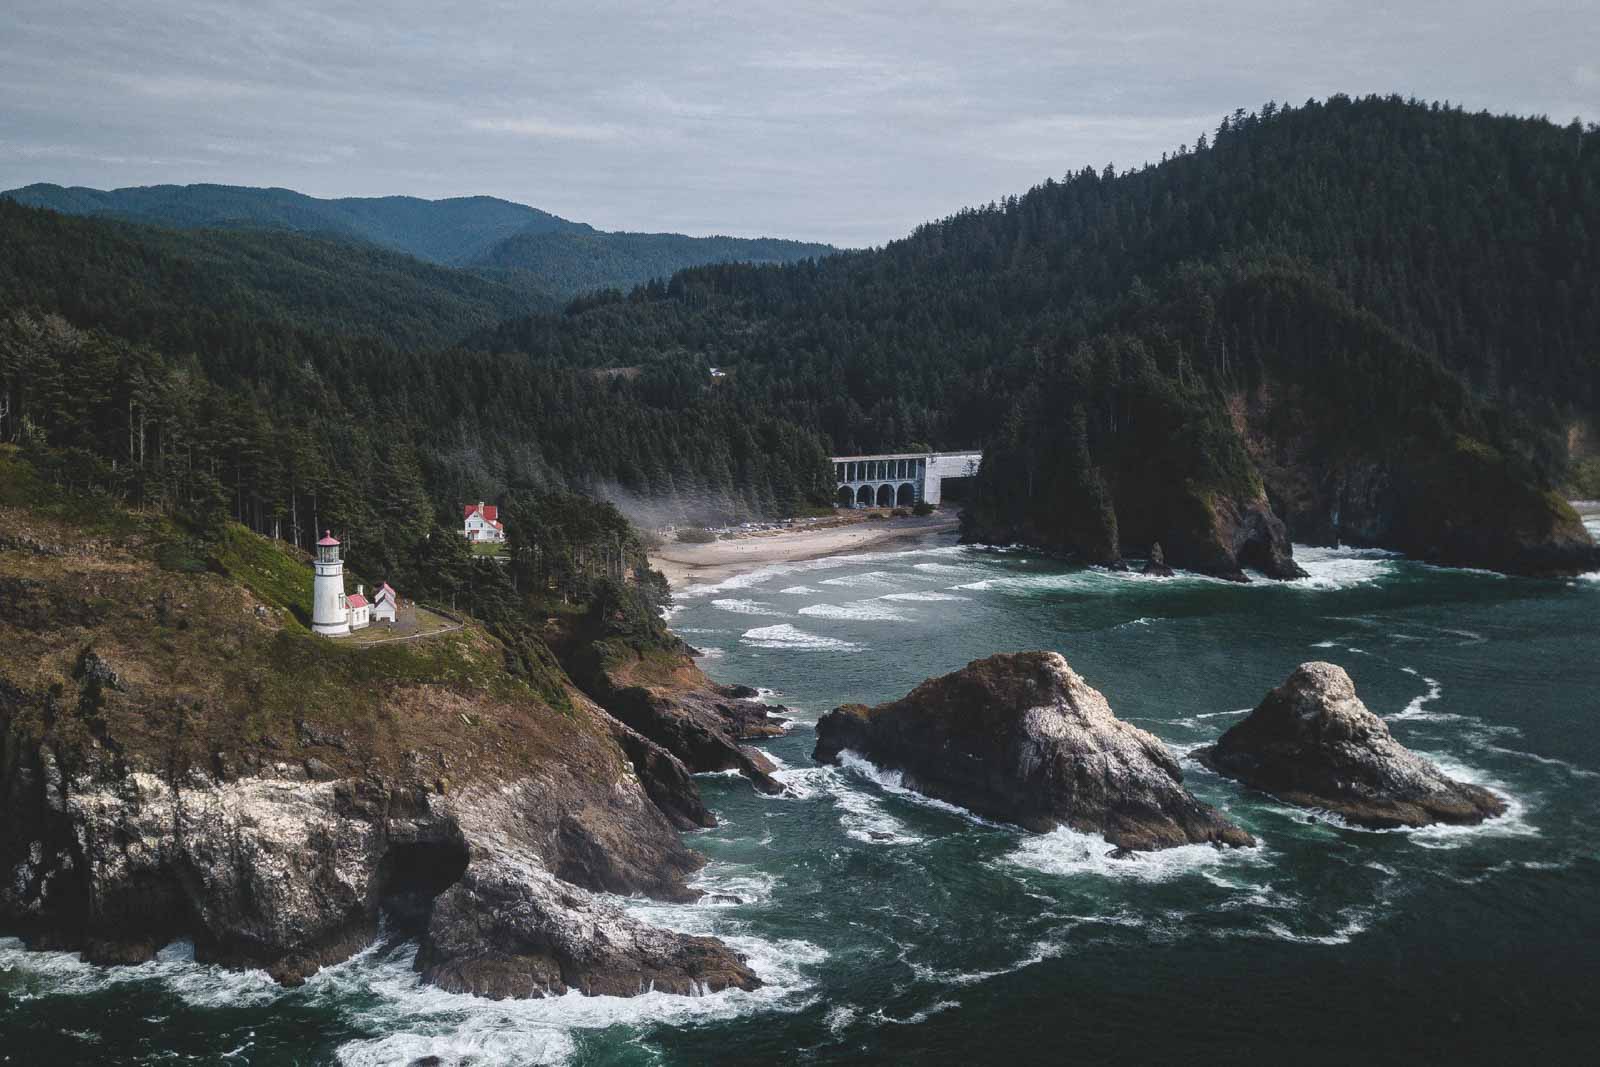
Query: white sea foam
(709, 652)
(917, 1017)
(747, 607)
(174, 968)
(946, 568)
(840, 1016)
(791, 638)
(863, 578)
(800, 590)
(1326, 644)
(894, 782)
(1342, 568)
(1413, 711)
(855, 611)
(1353, 921)
(928, 595)
(1068, 852)
(415, 1018)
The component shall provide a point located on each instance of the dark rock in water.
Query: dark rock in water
(701, 726)
(1156, 565)
(1312, 742)
(1020, 737)
(741, 692)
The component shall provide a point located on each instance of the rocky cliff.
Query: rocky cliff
(1022, 738)
(1312, 742)
(180, 759)
(648, 680)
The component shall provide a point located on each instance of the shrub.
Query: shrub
(923, 508)
(695, 535)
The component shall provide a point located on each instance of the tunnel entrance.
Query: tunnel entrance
(956, 489)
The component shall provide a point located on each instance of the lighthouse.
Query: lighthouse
(329, 616)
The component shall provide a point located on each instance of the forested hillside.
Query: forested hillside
(1332, 310)
(569, 262)
(1370, 320)
(522, 248)
(440, 231)
(236, 289)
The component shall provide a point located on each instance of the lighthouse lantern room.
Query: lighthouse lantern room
(329, 615)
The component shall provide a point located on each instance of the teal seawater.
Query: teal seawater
(892, 929)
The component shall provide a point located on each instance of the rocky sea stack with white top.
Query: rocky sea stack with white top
(1313, 743)
(1022, 738)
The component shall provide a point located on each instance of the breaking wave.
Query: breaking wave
(856, 611)
(787, 637)
(747, 607)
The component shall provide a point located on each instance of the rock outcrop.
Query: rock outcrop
(668, 700)
(278, 871)
(177, 763)
(1156, 565)
(1312, 742)
(1022, 738)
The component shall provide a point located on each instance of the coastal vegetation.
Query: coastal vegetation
(1318, 323)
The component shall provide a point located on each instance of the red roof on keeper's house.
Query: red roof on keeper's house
(355, 600)
(490, 511)
(385, 588)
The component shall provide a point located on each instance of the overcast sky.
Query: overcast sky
(842, 122)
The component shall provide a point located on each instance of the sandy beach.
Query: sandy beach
(689, 564)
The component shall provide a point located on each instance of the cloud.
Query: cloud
(850, 123)
(543, 128)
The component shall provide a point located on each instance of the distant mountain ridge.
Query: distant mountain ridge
(561, 257)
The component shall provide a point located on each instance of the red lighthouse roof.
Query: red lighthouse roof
(327, 538)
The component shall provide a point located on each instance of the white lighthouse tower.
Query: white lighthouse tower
(329, 616)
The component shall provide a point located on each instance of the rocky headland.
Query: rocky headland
(1021, 738)
(179, 759)
(1312, 742)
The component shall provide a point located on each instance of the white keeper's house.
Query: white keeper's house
(481, 522)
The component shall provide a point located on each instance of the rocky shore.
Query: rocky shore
(1312, 742)
(1020, 737)
(179, 761)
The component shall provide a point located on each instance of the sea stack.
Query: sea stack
(1313, 743)
(1022, 738)
(1156, 565)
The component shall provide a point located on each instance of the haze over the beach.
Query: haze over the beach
(820, 122)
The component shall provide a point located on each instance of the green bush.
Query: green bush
(695, 535)
(923, 509)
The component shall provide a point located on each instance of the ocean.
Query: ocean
(890, 928)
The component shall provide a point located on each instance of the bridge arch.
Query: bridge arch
(905, 496)
(886, 496)
(846, 497)
(864, 496)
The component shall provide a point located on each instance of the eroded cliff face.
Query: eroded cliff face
(178, 761)
(658, 691)
(1450, 500)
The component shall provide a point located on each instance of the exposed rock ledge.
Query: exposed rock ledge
(1022, 738)
(1313, 743)
(264, 865)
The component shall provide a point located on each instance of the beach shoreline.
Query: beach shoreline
(688, 565)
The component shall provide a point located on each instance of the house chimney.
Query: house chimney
(361, 590)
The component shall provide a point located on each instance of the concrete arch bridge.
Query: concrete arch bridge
(901, 479)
